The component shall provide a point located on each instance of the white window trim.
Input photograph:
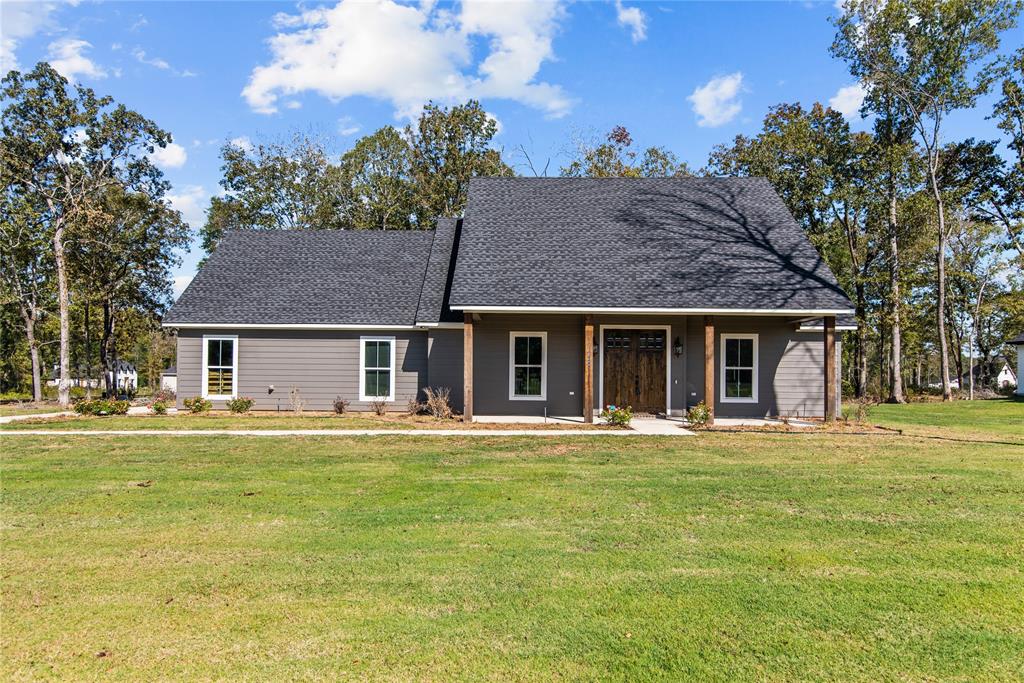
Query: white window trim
(362, 369)
(512, 396)
(234, 366)
(721, 378)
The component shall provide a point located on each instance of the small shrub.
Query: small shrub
(379, 407)
(197, 405)
(617, 416)
(438, 402)
(240, 405)
(340, 405)
(164, 396)
(101, 406)
(413, 407)
(296, 401)
(699, 415)
(158, 408)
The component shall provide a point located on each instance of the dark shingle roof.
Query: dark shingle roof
(691, 243)
(437, 280)
(1019, 339)
(308, 277)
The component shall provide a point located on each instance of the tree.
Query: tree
(378, 179)
(616, 158)
(275, 186)
(61, 150)
(930, 55)
(124, 258)
(25, 269)
(449, 147)
(1004, 202)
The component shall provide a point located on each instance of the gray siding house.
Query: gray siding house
(549, 296)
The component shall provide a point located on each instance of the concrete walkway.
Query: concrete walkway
(338, 432)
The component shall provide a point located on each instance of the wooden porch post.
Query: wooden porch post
(467, 368)
(588, 368)
(830, 368)
(709, 365)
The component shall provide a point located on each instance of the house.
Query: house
(1002, 379)
(548, 296)
(125, 376)
(169, 379)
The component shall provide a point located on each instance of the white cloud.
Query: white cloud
(20, 20)
(407, 55)
(140, 56)
(171, 156)
(293, 104)
(191, 202)
(242, 142)
(67, 56)
(633, 19)
(347, 126)
(181, 282)
(717, 102)
(848, 99)
(497, 123)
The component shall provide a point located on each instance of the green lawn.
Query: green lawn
(717, 557)
(27, 409)
(1001, 417)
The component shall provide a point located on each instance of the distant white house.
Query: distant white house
(1018, 341)
(1005, 378)
(169, 379)
(126, 378)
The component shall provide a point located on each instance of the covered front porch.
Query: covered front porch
(569, 366)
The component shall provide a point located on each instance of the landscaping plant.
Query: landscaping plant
(438, 402)
(379, 407)
(197, 405)
(101, 406)
(617, 416)
(340, 405)
(240, 405)
(699, 415)
(159, 408)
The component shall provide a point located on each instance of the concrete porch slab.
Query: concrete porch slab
(657, 426)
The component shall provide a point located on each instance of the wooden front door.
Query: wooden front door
(634, 369)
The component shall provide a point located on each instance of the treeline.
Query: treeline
(926, 234)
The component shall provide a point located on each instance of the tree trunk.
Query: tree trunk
(29, 316)
(896, 362)
(64, 383)
(106, 360)
(88, 355)
(947, 393)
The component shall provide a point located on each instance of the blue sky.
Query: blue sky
(683, 75)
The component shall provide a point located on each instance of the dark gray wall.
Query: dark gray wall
(322, 364)
(444, 363)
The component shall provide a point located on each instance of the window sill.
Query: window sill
(738, 400)
(527, 398)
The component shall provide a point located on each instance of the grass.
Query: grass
(1000, 417)
(7, 409)
(223, 420)
(716, 557)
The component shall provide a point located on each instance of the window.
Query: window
(377, 369)
(528, 366)
(220, 363)
(739, 368)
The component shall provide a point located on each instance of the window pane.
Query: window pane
(739, 383)
(535, 350)
(746, 353)
(213, 352)
(384, 354)
(527, 381)
(377, 382)
(732, 353)
(522, 354)
(371, 354)
(370, 389)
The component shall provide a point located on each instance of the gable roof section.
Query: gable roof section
(687, 244)
(308, 278)
(437, 280)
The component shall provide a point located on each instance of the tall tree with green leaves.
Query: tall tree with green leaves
(615, 157)
(933, 56)
(62, 148)
(276, 186)
(378, 179)
(1004, 201)
(450, 146)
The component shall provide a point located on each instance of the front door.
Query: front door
(634, 369)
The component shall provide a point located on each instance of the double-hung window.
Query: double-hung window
(528, 366)
(739, 368)
(377, 369)
(220, 366)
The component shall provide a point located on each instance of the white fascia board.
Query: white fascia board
(821, 328)
(646, 311)
(442, 326)
(240, 326)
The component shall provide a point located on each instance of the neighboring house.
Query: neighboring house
(1002, 379)
(571, 293)
(169, 379)
(125, 375)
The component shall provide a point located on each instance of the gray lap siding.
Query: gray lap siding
(322, 364)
